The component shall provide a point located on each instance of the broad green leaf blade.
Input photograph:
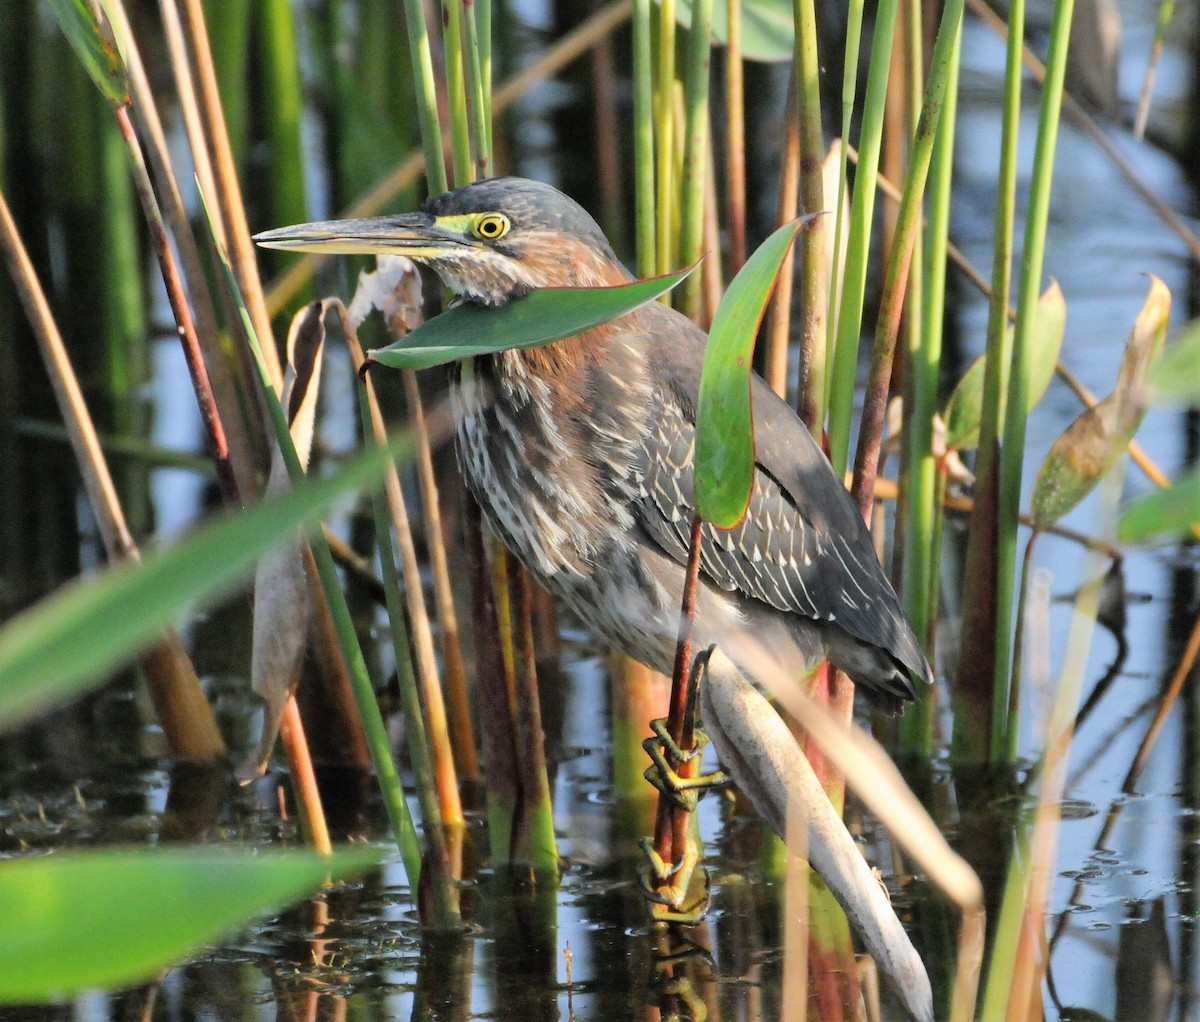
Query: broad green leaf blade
(1164, 513)
(724, 429)
(58, 648)
(1175, 379)
(767, 27)
(965, 406)
(83, 920)
(92, 35)
(1091, 445)
(541, 317)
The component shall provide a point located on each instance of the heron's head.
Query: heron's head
(490, 242)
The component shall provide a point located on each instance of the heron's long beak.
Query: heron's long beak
(417, 235)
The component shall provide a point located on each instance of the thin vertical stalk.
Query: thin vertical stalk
(921, 478)
(735, 135)
(282, 110)
(810, 394)
(1012, 451)
(304, 778)
(426, 660)
(246, 441)
(609, 172)
(643, 140)
(845, 356)
(456, 93)
(695, 153)
(183, 314)
(189, 102)
(229, 32)
(475, 82)
(664, 122)
(426, 95)
(854, 20)
(980, 593)
(494, 681)
(424, 774)
(462, 732)
(537, 815)
(775, 344)
(671, 825)
(483, 24)
(228, 194)
(440, 755)
(866, 460)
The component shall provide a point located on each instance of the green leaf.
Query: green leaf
(1169, 512)
(82, 920)
(724, 429)
(541, 317)
(767, 27)
(58, 648)
(1176, 377)
(1091, 445)
(965, 406)
(92, 33)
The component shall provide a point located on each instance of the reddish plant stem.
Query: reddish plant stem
(181, 311)
(670, 834)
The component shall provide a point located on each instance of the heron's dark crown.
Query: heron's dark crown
(529, 205)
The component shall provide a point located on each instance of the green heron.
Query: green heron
(580, 454)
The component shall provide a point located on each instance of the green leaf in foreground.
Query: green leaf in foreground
(91, 33)
(56, 649)
(82, 920)
(1165, 513)
(541, 317)
(724, 430)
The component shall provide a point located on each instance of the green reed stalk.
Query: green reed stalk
(921, 480)
(426, 95)
(862, 209)
(480, 119)
(974, 734)
(483, 25)
(1012, 452)
(813, 269)
(643, 140)
(695, 154)
(854, 20)
(456, 94)
(664, 123)
(908, 223)
(281, 111)
(108, 277)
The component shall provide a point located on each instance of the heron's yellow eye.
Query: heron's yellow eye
(491, 226)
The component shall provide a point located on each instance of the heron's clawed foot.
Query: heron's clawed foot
(662, 749)
(666, 885)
